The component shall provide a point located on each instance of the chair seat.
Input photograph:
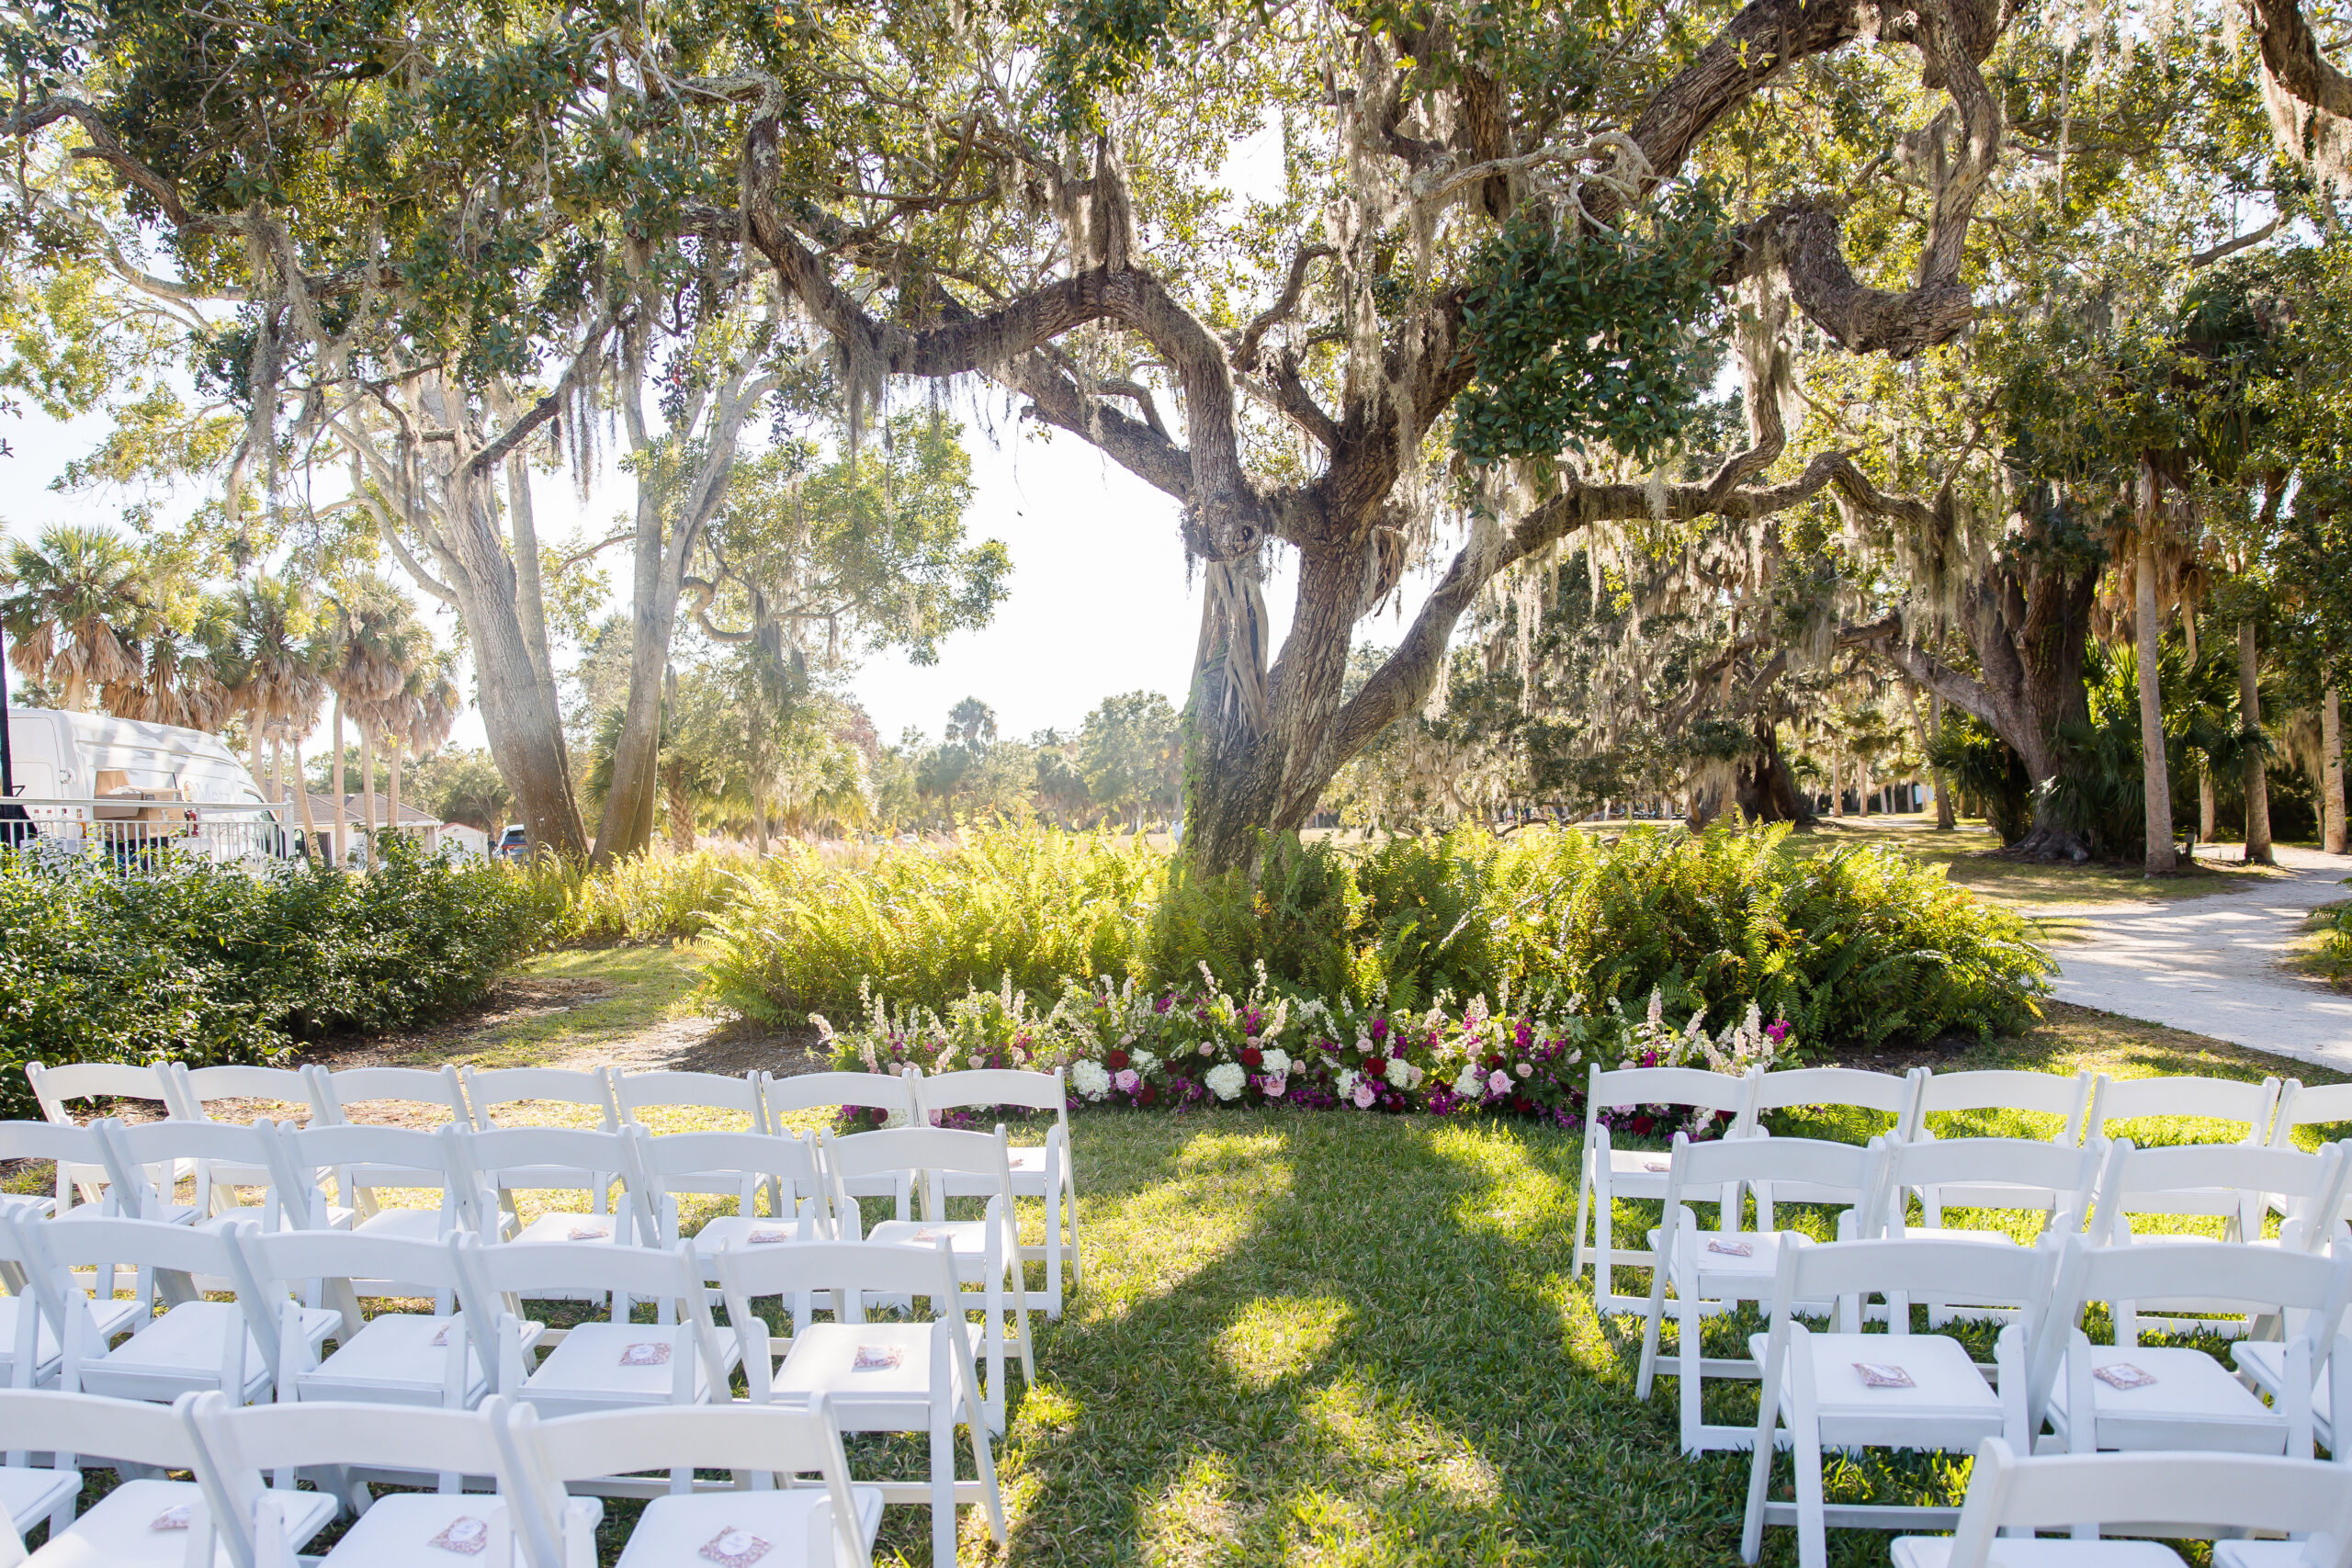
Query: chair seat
(119, 1531)
(967, 1240)
(2193, 1404)
(560, 1228)
(392, 1361)
(736, 1233)
(2265, 1360)
(675, 1529)
(2258, 1554)
(398, 1530)
(1722, 1270)
(113, 1317)
(1935, 1551)
(1947, 1392)
(30, 1494)
(182, 1350)
(1027, 1162)
(585, 1372)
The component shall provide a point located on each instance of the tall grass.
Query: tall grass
(1858, 943)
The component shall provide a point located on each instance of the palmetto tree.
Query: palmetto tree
(423, 716)
(287, 653)
(191, 665)
(374, 639)
(77, 608)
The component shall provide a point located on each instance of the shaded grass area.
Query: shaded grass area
(1324, 1338)
(1964, 852)
(648, 986)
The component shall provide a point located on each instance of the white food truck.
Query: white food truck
(131, 787)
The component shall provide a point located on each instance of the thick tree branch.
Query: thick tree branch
(2290, 54)
(1245, 352)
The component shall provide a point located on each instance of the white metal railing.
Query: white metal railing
(133, 837)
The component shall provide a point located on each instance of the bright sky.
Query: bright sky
(1099, 603)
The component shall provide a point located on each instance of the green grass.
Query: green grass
(1965, 854)
(1321, 1338)
(650, 985)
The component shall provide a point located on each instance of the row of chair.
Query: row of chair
(2086, 1107)
(484, 1100)
(506, 1501)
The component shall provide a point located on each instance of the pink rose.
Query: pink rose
(1126, 1082)
(1363, 1097)
(1277, 1085)
(1498, 1082)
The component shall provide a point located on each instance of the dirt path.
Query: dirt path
(2211, 966)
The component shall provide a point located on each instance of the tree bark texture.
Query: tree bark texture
(2257, 780)
(2331, 772)
(337, 785)
(368, 790)
(2155, 777)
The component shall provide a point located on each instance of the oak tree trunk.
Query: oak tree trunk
(2156, 778)
(2257, 782)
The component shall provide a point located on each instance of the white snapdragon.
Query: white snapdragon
(1226, 1081)
(1089, 1079)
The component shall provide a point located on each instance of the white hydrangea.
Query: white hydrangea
(1090, 1079)
(1276, 1062)
(1402, 1074)
(1471, 1084)
(1143, 1062)
(1348, 1079)
(1227, 1079)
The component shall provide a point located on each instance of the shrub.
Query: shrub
(645, 897)
(207, 963)
(1856, 944)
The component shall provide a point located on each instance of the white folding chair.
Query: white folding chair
(224, 1156)
(500, 1163)
(1853, 1088)
(737, 1165)
(900, 1376)
(679, 1359)
(363, 1163)
(772, 1521)
(2239, 1183)
(636, 1092)
(236, 1449)
(2252, 1105)
(2308, 1105)
(2128, 1395)
(146, 1521)
(889, 1096)
(54, 1087)
(2168, 1496)
(336, 1092)
(1609, 1173)
(283, 1090)
(447, 1356)
(193, 1346)
(2002, 1088)
(2008, 1175)
(490, 1090)
(1711, 1270)
(1845, 1390)
(30, 1345)
(70, 1147)
(987, 1251)
(1044, 1170)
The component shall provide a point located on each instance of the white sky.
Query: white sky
(1098, 604)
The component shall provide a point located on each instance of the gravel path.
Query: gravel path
(2209, 965)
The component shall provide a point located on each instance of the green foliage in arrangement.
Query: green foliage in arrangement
(1854, 944)
(206, 964)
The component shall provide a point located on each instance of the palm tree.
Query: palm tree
(192, 665)
(428, 707)
(368, 649)
(287, 653)
(76, 607)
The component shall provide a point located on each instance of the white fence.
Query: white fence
(133, 838)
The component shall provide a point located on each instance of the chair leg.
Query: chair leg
(1053, 1252)
(1077, 1252)
(1687, 1354)
(1604, 1281)
(943, 1489)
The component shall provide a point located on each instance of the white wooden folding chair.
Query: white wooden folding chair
(890, 1095)
(2009, 1175)
(2253, 1106)
(68, 1147)
(2133, 1396)
(2169, 1495)
(147, 1520)
(446, 1358)
(2304, 1105)
(618, 1364)
(339, 1091)
(737, 1165)
(1609, 1173)
(225, 1158)
(2236, 1182)
(364, 1162)
(897, 1376)
(237, 1451)
(1046, 1170)
(490, 1090)
(290, 1095)
(30, 1349)
(774, 1522)
(1852, 1087)
(986, 1250)
(1845, 1390)
(193, 1344)
(1711, 1270)
(504, 1161)
(55, 1088)
(2002, 1088)
(634, 1093)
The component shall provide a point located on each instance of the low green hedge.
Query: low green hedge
(208, 965)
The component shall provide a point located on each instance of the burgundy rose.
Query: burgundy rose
(1147, 1094)
(1375, 1067)
(1114, 1060)
(1252, 1058)
(1642, 1125)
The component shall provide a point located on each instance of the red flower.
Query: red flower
(1252, 1058)
(1642, 1125)
(1147, 1094)
(1114, 1060)
(1375, 1067)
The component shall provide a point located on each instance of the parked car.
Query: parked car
(513, 843)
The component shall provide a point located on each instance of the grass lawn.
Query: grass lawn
(1963, 853)
(1324, 1337)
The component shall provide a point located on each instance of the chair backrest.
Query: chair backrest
(336, 1091)
(2308, 1105)
(570, 1159)
(932, 1151)
(783, 1439)
(2178, 1179)
(633, 1092)
(2006, 1089)
(63, 1142)
(993, 1086)
(53, 1086)
(1810, 1271)
(1988, 1166)
(739, 1163)
(197, 1087)
(281, 1259)
(2219, 1100)
(748, 1273)
(2201, 1492)
(131, 1430)
(813, 1091)
(1720, 1163)
(1791, 1087)
(1694, 1087)
(646, 1273)
(488, 1090)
